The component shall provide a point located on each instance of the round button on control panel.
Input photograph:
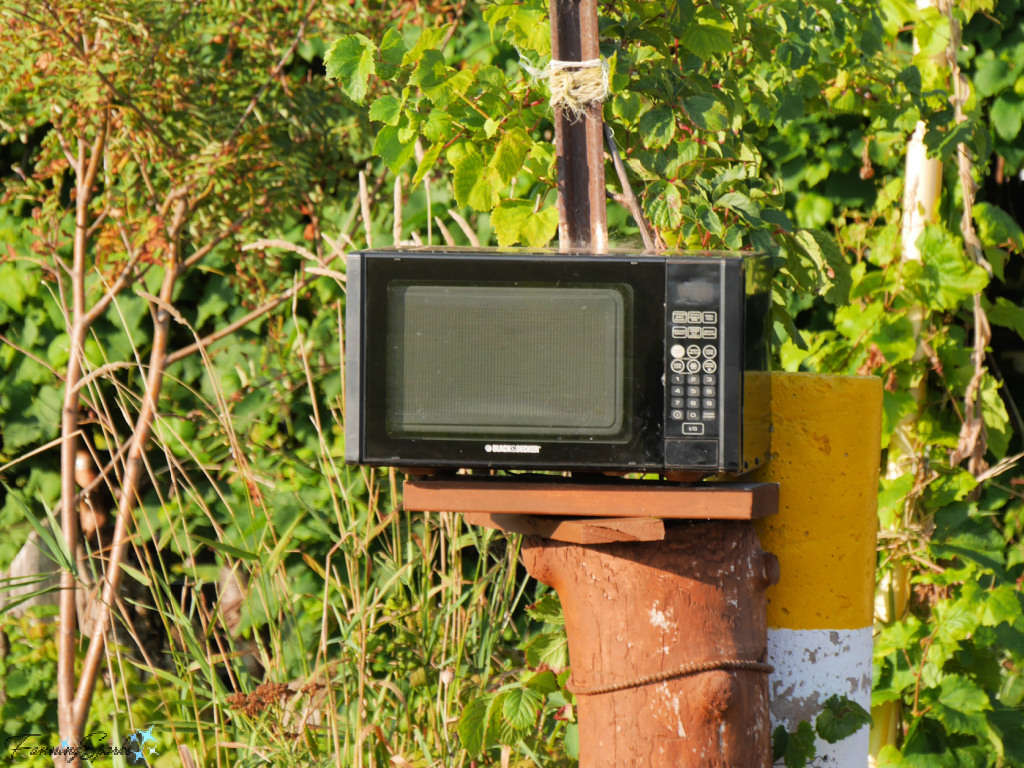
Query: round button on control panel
(709, 351)
(694, 365)
(677, 350)
(710, 366)
(678, 366)
(693, 351)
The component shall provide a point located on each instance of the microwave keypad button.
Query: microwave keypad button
(693, 332)
(694, 402)
(709, 403)
(709, 351)
(690, 415)
(678, 378)
(691, 379)
(677, 415)
(693, 391)
(708, 416)
(710, 366)
(693, 429)
(709, 333)
(678, 366)
(694, 365)
(678, 350)
(679, 332)
(678, 317)
(677, 391)
(693, 317)
(711, 317)
(693, 351)
(707, 379)
(708, 391)
(677, 402)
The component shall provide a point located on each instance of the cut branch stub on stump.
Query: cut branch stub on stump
(639, 612)
(579, 142)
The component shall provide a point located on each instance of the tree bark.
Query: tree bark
(641, 609)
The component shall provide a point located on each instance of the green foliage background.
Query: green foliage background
(779, 126)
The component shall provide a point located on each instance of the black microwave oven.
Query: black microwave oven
(550, 361)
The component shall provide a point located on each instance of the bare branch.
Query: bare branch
(217, 240)
(284, 245)
(232, 327)
(627, 190)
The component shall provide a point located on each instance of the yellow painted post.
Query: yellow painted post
(825, 456)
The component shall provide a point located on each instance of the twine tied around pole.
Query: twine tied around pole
(685, 669)
(574, 85)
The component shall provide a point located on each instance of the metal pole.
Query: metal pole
(579, 144)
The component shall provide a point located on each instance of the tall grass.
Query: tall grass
(280, 607)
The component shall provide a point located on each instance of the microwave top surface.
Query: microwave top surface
(544, 254)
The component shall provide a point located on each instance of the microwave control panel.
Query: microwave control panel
(693, 360)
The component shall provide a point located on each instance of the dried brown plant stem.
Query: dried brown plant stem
(88, 164)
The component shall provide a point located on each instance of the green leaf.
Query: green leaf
(514, 221)
(1007, 315)
(708, 37)
(438, 126)
(439, 82)
(521, 706)
(548, 610)
(550, 649)
(508, 220)
(386, 109)
(946, 276)
(959, 704)
(510, 154)
(571, 743)
(430, 38)
(226, 549)
(391, 149)
(823, 249)
(657, 128)
(743, 205)
(799, 746)
(428, 161)
(664, 205)
(392, 47)
(540, 227)
(473, 724)
(1008, 115)
(530, 30)
(350, 61)
(1001, 603)
(997, 227)
(475, 184)
(993, 74)
(706, 112)
(841, 717)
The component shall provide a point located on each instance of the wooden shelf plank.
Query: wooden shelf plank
(611, 498)
(604, 530)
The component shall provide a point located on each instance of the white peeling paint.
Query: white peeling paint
(811, 665)
(659, 619)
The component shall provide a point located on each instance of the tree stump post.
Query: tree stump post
(665, 608)
(638, 614)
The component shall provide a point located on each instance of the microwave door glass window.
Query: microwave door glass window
(526, 362)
